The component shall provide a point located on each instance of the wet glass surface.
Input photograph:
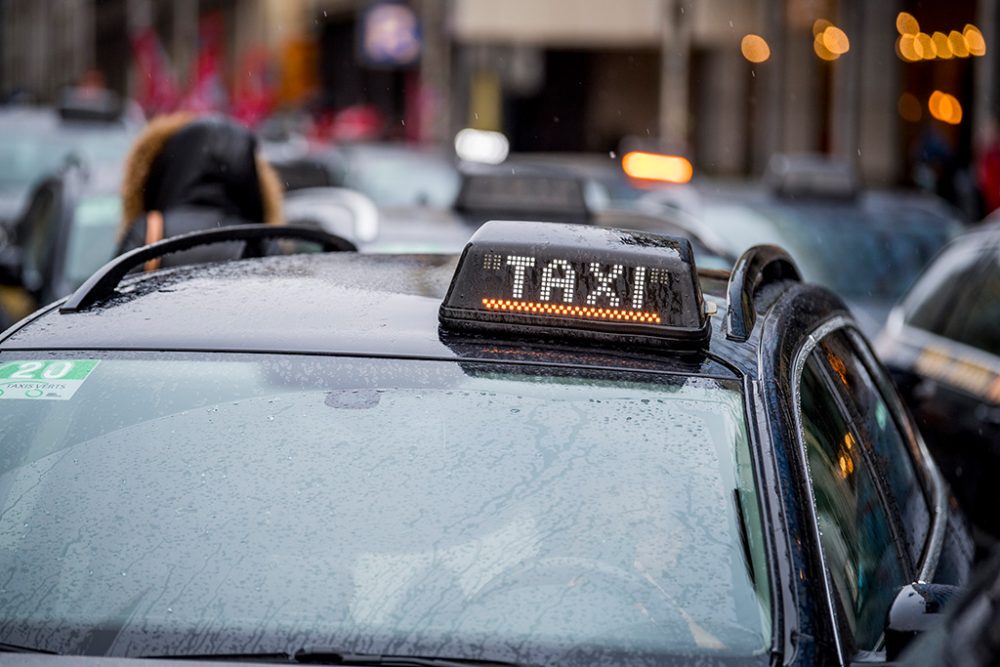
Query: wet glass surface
(472, 509)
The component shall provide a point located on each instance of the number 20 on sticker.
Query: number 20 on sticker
(55, 379)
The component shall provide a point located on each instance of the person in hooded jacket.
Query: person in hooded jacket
(188, 173)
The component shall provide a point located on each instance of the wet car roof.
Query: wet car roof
(339, 303)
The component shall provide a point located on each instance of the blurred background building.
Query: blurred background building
(726, 82)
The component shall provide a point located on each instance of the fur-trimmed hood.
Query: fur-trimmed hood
(183, 160)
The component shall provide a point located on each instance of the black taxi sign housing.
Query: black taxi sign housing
(577, 281)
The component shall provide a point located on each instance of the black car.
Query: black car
(942, 344)
(867, 245)
(68, 230)
(967, 633)
(567, 446)
(35, 141)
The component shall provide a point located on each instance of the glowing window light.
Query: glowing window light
(974, 39)
(820, 48)
(926, 46)
(569, 310)
(907, 49)
(655, 167)
(942, 45)
(755, 48)
(836, 41)
(906, 24)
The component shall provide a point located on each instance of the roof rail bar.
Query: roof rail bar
(757, 267)
(103, 282)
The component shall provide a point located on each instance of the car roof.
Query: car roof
(988, 230)
(48, 120)
(338, 304)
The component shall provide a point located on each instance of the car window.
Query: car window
(204, 503)
(30, 150)
(401, 178)
(92, 237)
(856, 532)
(935, 296)
(975, 315)
(24, 155)
(37, 233)
(889, 452)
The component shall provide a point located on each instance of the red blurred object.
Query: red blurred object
(988, 174)
(207, 92)
(254, 97)
(155, 84)
(360, 122)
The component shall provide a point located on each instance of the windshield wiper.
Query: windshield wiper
(14, 648)
(321, 655)
(324, 655)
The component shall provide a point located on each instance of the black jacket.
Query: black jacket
(205, 176)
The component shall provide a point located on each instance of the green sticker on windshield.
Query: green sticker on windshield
(55, 380)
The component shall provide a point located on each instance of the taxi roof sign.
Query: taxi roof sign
(578, 281)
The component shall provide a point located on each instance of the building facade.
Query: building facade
(558, 75)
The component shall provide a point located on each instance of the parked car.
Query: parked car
(866, 245)
(68, 230)
(390, 174)
(942, 344)
(567, 446)
(35, 141)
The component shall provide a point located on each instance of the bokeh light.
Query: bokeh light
(656, 167)
(974, 40)
(958, 44)
(819, 25)
(942, 46)
(836, 41)
(755, 48)
(925, 46)
(906, 24)
(820, 48)
(908, 49)
(945, 108)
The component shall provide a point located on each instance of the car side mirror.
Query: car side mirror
(916, 608)
(10, 266)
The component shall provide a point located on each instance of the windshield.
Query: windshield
(92, 236)
(193, 505)
(28, 151)
(860, 255)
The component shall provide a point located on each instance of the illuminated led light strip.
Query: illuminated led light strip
(589, 312)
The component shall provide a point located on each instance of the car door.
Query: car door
(862, 547)
(37, 236)
(880, 503)
(946, 355)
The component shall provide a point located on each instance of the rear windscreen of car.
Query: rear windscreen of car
(861, 255)
(93, 237)
(401, 177)
(155, 504)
